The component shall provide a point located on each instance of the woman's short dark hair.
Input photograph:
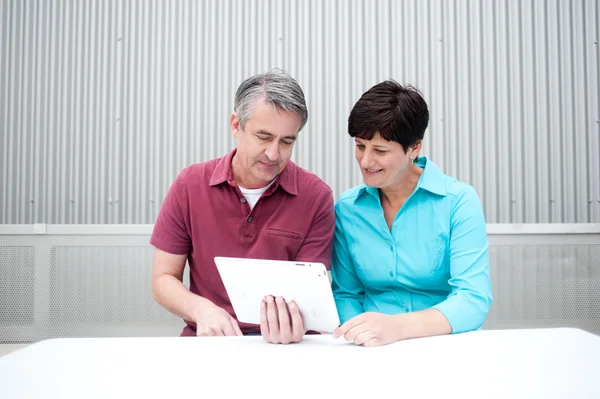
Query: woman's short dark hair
(399, 113)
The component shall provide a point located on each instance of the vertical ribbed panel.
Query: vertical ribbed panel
(102, 103)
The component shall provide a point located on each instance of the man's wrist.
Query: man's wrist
(198, 305)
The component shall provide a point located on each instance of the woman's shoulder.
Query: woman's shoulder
(448, 184)
(351, 194)
(346, 203)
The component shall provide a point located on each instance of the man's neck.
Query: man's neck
(243, 177)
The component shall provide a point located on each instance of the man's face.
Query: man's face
(265, 144)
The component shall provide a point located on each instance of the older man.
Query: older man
(254, 202)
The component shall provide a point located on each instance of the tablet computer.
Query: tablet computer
(248, 281)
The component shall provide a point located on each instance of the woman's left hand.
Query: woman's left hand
(371, 329)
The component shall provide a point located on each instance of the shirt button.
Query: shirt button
(392, 248)
(249, 219)
(243, 200)
(392, 274)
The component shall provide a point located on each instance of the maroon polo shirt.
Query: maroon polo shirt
(204, 215)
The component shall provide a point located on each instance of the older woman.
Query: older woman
(410, 256)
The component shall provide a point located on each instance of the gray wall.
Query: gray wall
(102, 103)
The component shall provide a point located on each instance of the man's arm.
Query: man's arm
(167, 285)
(172, 242)
(318, 243)
(170, 293)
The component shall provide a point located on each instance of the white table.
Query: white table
(545, 363)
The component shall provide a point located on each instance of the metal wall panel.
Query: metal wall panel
(102, 103)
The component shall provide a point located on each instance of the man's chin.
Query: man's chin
(264, 178)
(269, 178)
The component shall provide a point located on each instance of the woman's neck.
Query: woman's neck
(397, 195)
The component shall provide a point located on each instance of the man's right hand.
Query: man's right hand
(169, 292)
(212, 320)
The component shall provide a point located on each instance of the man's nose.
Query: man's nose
(272, 151)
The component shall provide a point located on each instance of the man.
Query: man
(253, 203)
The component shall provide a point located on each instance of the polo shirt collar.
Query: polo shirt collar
(287, 179)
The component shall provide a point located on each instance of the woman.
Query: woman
(410, 256)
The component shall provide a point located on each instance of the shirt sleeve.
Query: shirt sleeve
(171, 233)
(318, 243)
(469, 301)
(348, 290)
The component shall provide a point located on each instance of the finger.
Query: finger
(285, 328)
(373, 342)
(228, 329)
(354, 331)
(216, 331)
(363, 337)
(201, 332)
(264, 323)
(298, 330)
(236, 328)
(272, 318)
(344, 328)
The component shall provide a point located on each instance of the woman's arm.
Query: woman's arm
(469, 301)
(348, 290)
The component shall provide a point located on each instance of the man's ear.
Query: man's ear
(234, 123)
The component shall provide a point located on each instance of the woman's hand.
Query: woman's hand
(371, 329)
(376, 329)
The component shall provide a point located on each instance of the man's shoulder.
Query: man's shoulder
(310, 183)
(197, 173)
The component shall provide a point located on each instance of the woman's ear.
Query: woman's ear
(415, 149)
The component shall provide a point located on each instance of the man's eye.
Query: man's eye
(287, 142)
(380, 151)
(263, 138)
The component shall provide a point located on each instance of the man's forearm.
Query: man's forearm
(171, 294)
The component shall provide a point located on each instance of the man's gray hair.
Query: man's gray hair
(275, 88)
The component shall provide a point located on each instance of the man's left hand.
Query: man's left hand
(280, 322)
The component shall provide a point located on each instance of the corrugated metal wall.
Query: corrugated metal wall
(102, 103)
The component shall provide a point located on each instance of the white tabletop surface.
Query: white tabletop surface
(544, 363)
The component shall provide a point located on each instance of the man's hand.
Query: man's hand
(371, 329)
(280, 323)
(212, 320)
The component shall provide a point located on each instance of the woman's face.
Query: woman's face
(383, 163)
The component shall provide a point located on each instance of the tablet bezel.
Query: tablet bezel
(307, 283)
